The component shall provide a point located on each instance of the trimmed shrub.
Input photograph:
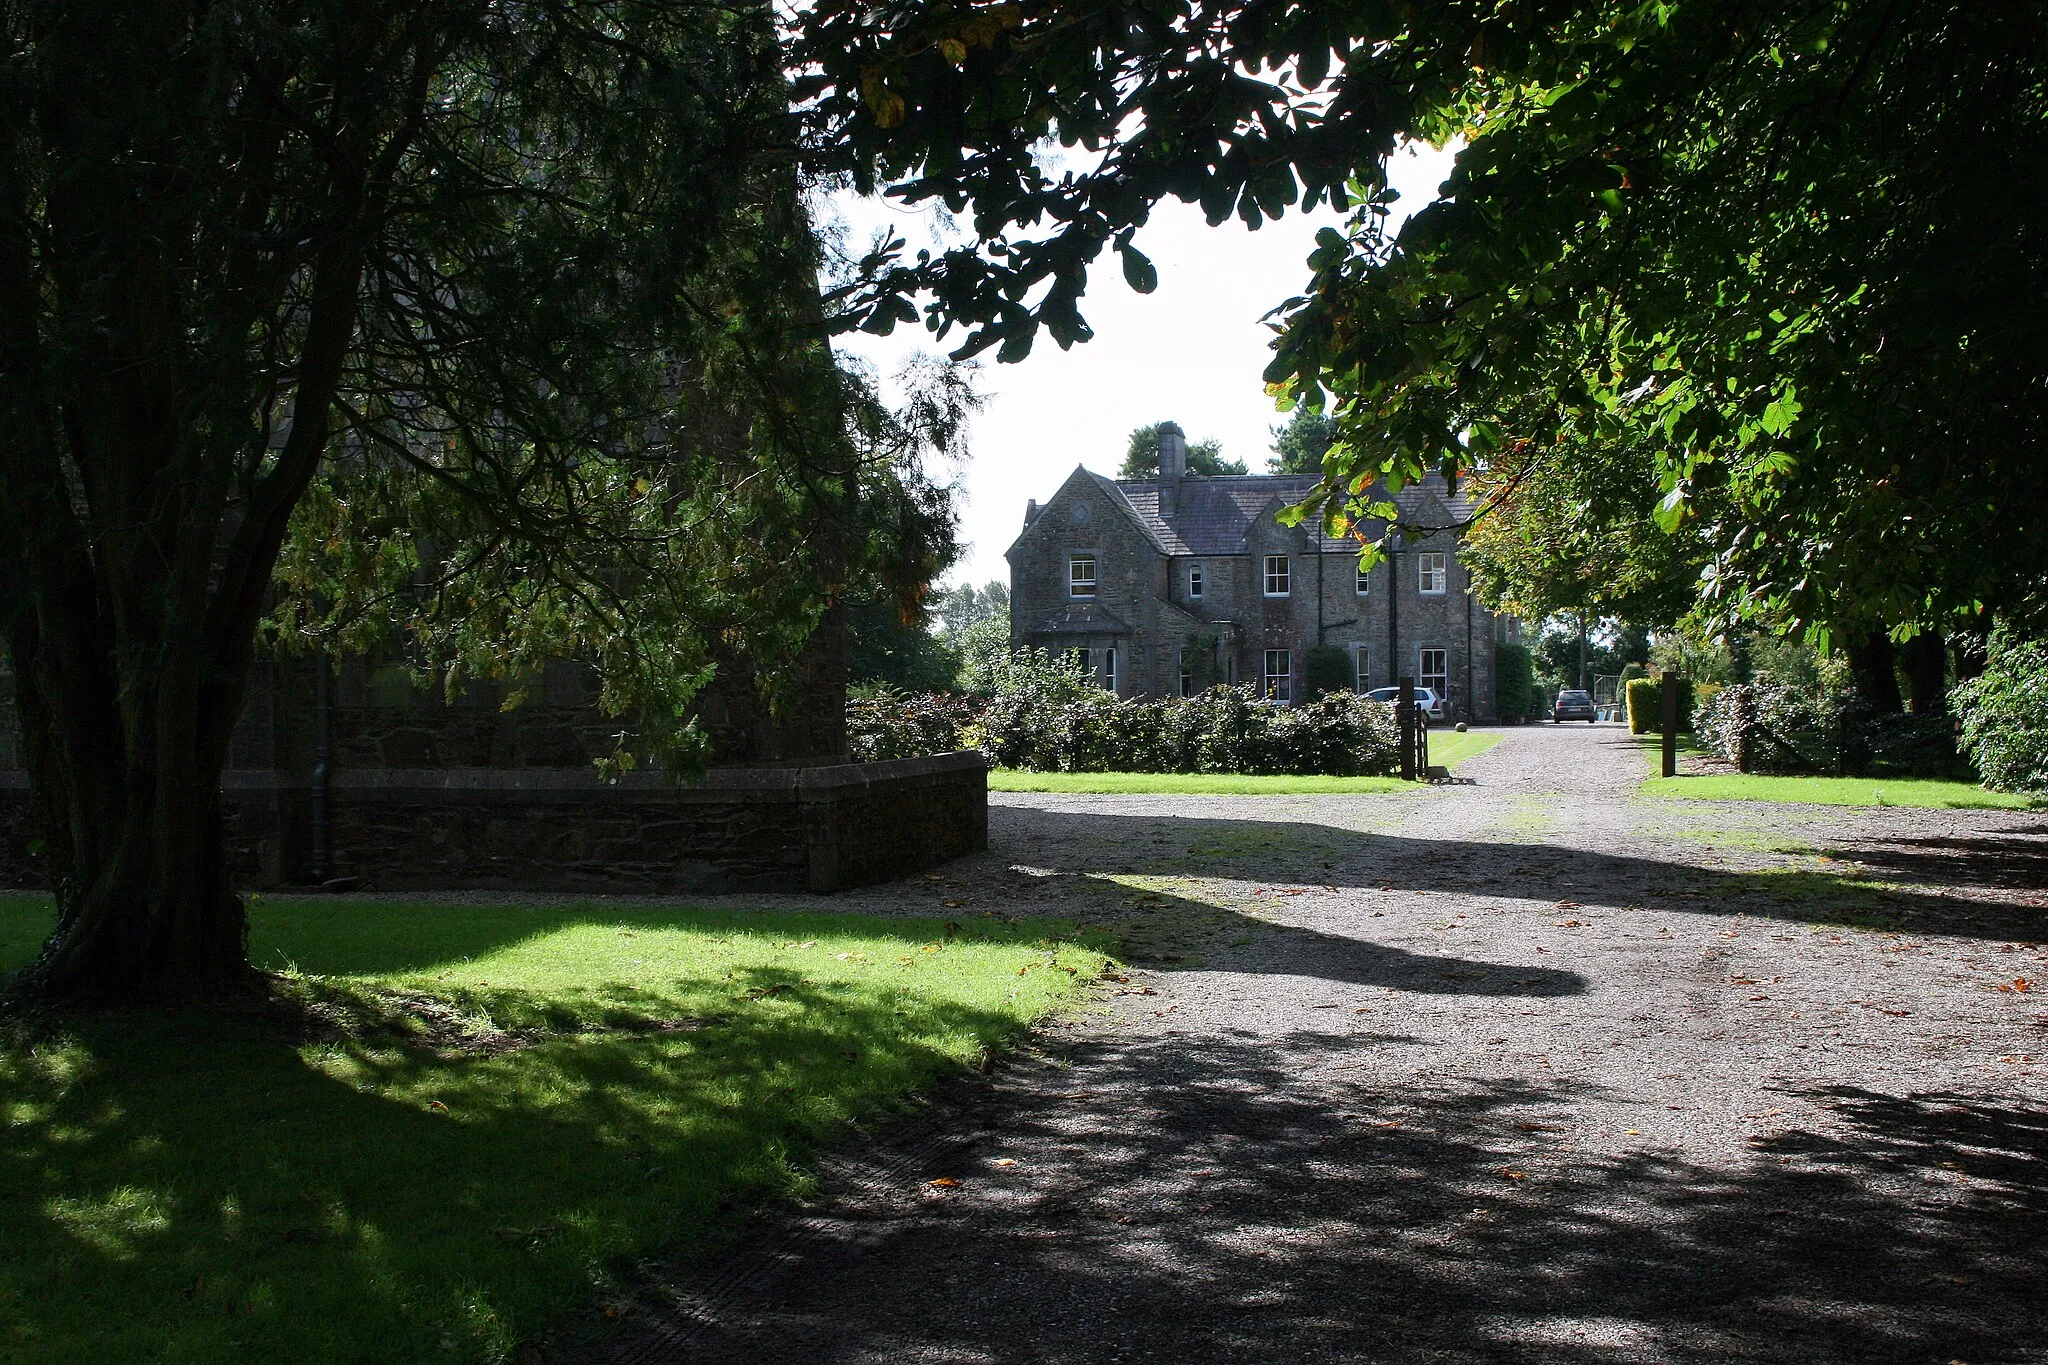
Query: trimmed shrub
(1327, 668)
(1645, 698)
(1514, 682)
(2004, 712)
(1055, 728)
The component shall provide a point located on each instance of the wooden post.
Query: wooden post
(1669, 687)
(1404, 716)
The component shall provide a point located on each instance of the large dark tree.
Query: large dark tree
(523, 271)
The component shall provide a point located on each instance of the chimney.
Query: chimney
(1173, 463)
(1031, 511)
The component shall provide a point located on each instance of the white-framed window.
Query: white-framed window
(1085, 661)
(1109, 668)
(1430, 574)
(1364, 581)
(1434, 671)
(1080, 575)
(1277, 579)
(1280, 675)
(1195, 582)
(1361, 669)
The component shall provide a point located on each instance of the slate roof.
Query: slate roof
(1082, 618)
(1215, 513)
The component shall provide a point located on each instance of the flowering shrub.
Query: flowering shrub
(2004, 711)
(1786, 729)
(884, 723)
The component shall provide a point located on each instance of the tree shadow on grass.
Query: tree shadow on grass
(1234, 1203)
(197, 1187)
(1296, 852)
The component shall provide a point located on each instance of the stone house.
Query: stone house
(1166, 586)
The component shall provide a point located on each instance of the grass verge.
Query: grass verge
(1836, 791)
(459, 1118)
(1446, 747)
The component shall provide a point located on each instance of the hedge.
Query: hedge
(1514, 682)
(1646, 705)
(1055, 729)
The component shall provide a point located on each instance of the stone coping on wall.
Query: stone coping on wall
(580, 784)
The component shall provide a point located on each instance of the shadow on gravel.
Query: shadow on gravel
(2001, 860)
(1302, 853)
(1240, 1204)
(1288, 950)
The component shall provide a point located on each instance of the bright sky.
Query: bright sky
(1192, 351)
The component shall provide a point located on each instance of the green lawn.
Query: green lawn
(1447, 748)
(475, 1115)
(1835, 791)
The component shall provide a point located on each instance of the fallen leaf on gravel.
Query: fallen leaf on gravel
(1759, 997)
(1387, 1123)
(2020, 984)
(1630, 1132)
(1511, 1173)
(1569, 924)
(1325, 1007)
(1004, 1161)
(1896, 1014)
(1363, 1009)
(1569, 905)
(1539, 1127)
(1742, 981)
(944, 1182)
(953, 905)
(1386, 888)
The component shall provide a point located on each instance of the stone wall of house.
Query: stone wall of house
(1149, 592)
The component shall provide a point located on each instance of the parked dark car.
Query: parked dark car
(1572, 704)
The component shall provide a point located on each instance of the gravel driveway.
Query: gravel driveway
(1522, 1070)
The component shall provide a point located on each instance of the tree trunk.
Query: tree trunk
(158, 925)
(1925, 659)
(1873, 662)
(128, 799)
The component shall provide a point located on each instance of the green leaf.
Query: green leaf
(1139, 273)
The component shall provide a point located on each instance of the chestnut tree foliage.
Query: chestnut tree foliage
(1784, 257)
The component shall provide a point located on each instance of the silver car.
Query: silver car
(1425, 697)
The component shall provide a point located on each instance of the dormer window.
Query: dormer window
(1276, 576)
(1081, 576)
(1195, 582)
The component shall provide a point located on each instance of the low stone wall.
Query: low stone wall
(561, 829)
